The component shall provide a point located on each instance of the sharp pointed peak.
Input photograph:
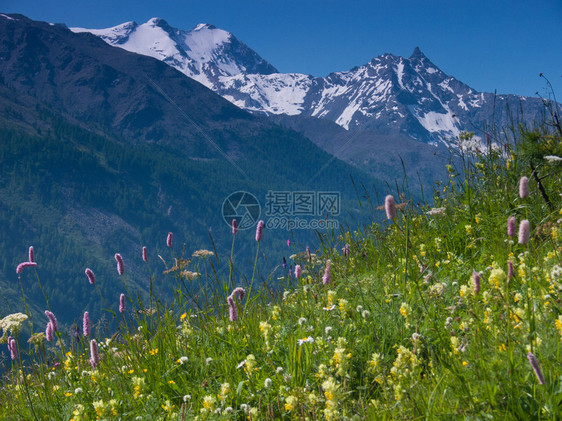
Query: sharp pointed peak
(417, 53)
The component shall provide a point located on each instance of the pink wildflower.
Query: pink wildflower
(120, 264)
(122, 303)
(49, 332)
(234, 226)
(90, 276)
(239, 292)
(327, 276)
(52, 319)
(31, 255)
(524, 228)
(509, 270)
(144, 255)
(233, 314)
(94, 356)
(523, 187)
(536, 368)
(259, 231)
(297, 271)
(12, 347)
(22, 265)
(476, 280)
(169, 240)
(86, 324)
(390, 207)
(511, 226)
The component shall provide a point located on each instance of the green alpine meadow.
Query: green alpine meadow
(445, 310)
(188, 232)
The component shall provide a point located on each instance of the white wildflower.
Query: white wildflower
(436, 211)
(309, 340)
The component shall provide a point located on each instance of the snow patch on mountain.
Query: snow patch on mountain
(438, 122)
(400, 73)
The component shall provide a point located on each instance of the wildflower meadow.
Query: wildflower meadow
(449, 309)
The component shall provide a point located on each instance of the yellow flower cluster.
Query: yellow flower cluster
(330, 387)
(558, 323)
(225, 390)
(497, 278)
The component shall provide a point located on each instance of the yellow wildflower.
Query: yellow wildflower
(290, 403)
(405, 310)
(558, 324)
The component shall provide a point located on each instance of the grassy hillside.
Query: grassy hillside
(103, 151)
(449, 312)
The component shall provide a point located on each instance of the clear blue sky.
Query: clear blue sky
(488, 44)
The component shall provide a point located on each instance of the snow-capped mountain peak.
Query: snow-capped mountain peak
(204, 53)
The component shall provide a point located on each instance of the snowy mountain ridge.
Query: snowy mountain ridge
(390, 94)
(203, 53)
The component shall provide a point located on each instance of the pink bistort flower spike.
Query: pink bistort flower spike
(169, 240)
(94, 356)
(120, 264)
(234, 226)
(49, 333)
(12, 347)
(233, 314)
(536, 368)
(144, 255)
(509, 270)
(52, 319)
(238, 292)
(476, 280)
(524, 230)
(31, 255)
(86, 324)
(22, 265)
(511, 226)
(91, 276)
(390, 207)
(297, 271)
(327, 276)
(122, 303)
(259, 231)
(523, 187)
